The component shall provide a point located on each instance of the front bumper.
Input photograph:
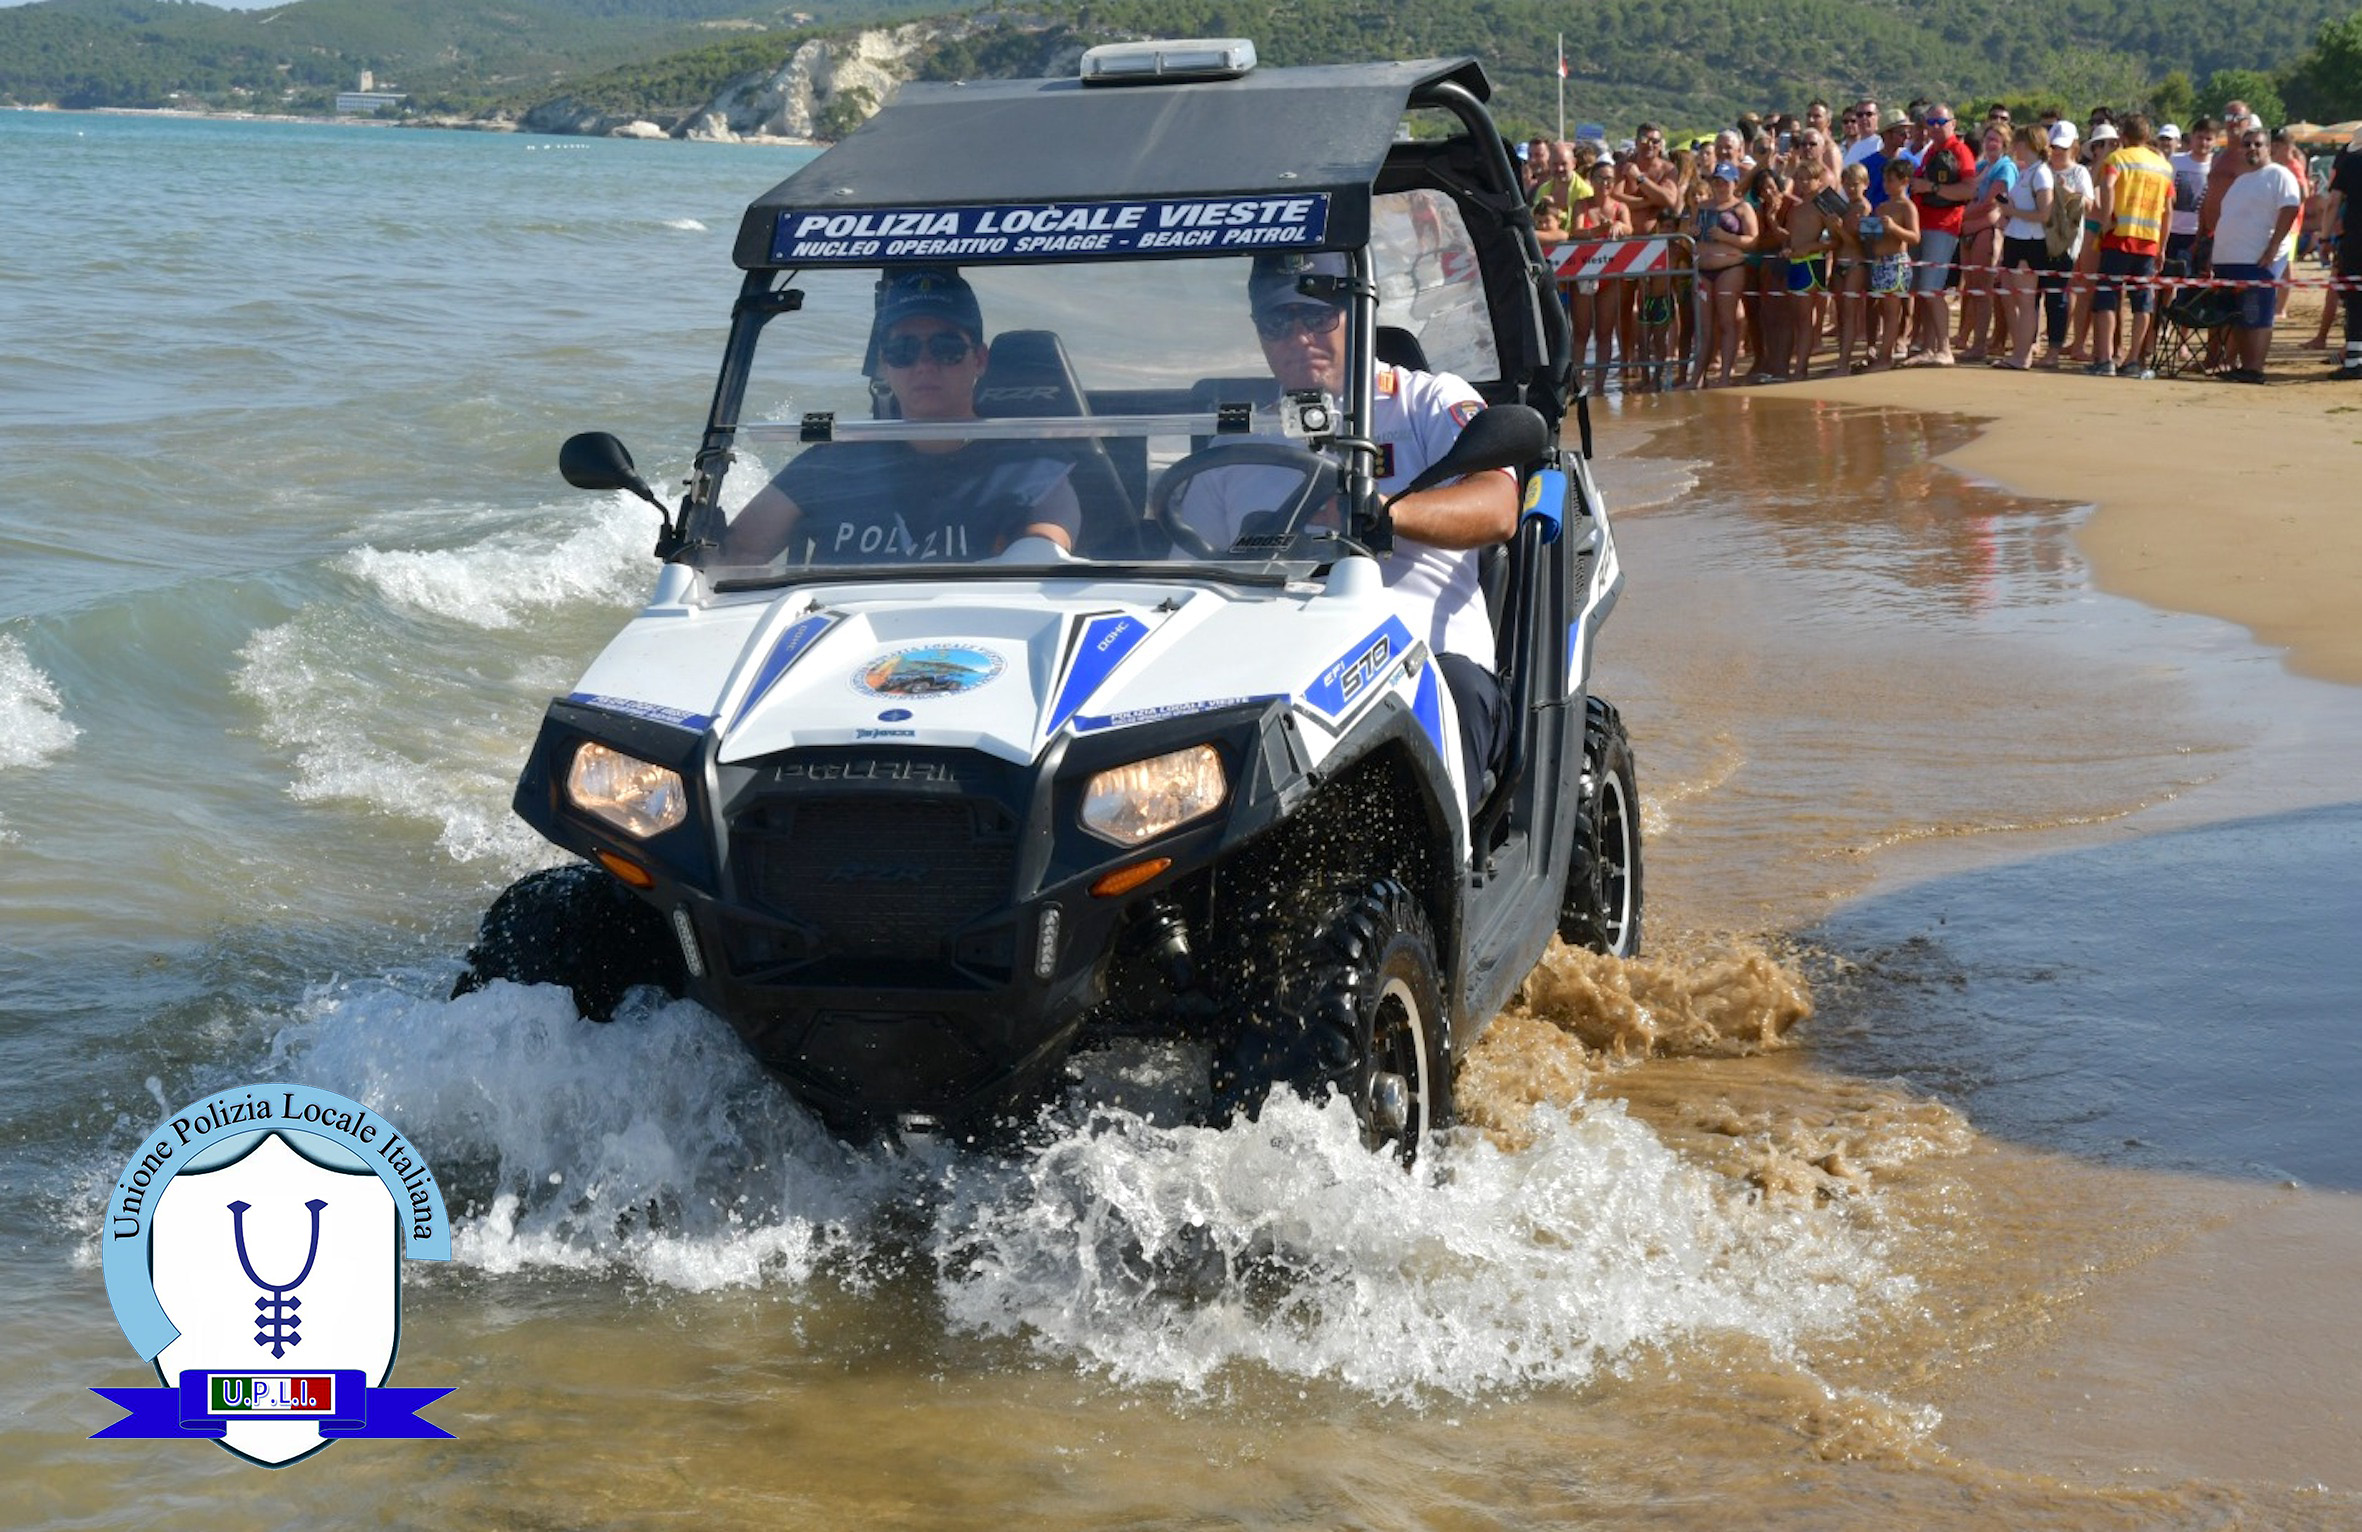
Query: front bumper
(907, 932)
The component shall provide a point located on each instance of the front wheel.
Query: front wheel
(576, 926)
(1601, 909)
(1347, 1000)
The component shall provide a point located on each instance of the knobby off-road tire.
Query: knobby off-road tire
(1603, 891)
(1343, 996)
(576, 926)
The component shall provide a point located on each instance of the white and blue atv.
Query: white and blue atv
(937, 776)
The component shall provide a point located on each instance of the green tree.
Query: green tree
(846, 110)
(2326, 84)
(2259, 90)
(2174, 98)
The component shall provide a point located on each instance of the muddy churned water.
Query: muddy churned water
(1974, 1145)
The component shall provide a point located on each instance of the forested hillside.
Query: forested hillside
(451, 54)
(1682, 61)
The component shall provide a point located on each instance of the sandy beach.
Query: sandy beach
(2230, 500)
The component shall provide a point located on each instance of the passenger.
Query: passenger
(1437, 532)
(909, 501)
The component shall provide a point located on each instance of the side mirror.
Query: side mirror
(1501, 437)
(596, 460)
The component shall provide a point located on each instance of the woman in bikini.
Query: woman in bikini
(1726, 227)
(1980, 248)
(1891, 234)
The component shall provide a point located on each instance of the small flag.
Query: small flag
(1562, 64)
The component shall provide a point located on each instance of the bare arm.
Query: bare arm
(1475, 512)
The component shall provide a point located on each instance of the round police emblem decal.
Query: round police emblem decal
(928, 670)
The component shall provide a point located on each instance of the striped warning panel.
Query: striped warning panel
(1585, 258)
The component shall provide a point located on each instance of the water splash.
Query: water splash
(1155, 1254)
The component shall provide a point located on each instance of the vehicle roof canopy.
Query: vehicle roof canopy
(1322, 130)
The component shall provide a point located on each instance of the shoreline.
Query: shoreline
(440, 123)
(2229, 501)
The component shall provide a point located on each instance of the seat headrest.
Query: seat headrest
(1398, 347)
(1029, 375)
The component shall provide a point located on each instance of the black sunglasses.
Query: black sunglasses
(948, 347)
(1311, 318)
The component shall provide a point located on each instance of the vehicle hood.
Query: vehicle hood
(992, 666)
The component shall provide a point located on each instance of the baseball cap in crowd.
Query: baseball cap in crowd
(1726, 171)
(911, 291)
(2105, 132)
(1271, 286)
(2172, 131)
(2062, 135)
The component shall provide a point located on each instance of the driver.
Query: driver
(1417, 416)
(909, 501)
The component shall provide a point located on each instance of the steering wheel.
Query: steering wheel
(1315, 476)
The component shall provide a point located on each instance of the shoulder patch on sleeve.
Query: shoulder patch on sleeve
(1389, 380)
(1465, 410)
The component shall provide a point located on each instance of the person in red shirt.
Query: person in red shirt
(1941, 189)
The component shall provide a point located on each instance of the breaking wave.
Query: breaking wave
(488, 584)
(33, 726)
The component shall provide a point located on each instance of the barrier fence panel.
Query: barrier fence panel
(1663, 262)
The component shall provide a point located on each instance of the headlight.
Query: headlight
(635, 796)
(1135, 803)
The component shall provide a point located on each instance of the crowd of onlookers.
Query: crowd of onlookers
(1914, 237)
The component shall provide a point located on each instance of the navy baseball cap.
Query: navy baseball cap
(911, 291)
(1272, 287)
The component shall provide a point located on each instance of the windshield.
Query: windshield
(1133, 412)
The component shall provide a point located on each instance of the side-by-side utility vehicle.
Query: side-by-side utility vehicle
(959, 733)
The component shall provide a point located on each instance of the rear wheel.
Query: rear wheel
(1344, 996)
(1601, 910)
(576, 926)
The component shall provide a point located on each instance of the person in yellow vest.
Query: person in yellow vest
(2136, 199)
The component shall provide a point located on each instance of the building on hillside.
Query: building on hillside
(366, 97)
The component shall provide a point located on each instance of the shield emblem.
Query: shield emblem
(274, 1253)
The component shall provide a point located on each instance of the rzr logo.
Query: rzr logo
(1040, 393)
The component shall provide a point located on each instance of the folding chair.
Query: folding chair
(2188, 322)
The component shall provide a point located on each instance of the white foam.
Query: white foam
(312, 677)
(686, 225)
(489, 583)
(1154, 1254)
(33, 726)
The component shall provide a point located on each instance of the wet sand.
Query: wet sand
(2238, 501)
(2119, 945)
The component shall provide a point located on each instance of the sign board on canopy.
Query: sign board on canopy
(1050, 230)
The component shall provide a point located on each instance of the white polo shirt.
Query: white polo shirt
(1415, 419)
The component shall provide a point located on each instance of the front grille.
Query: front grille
(879, 882)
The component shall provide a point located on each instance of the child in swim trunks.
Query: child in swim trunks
(1891, 234)
(1850, 274)
(1809, 245)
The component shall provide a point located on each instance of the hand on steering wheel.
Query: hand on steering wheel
(1315, 480)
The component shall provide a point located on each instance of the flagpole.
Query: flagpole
(1562, 87)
